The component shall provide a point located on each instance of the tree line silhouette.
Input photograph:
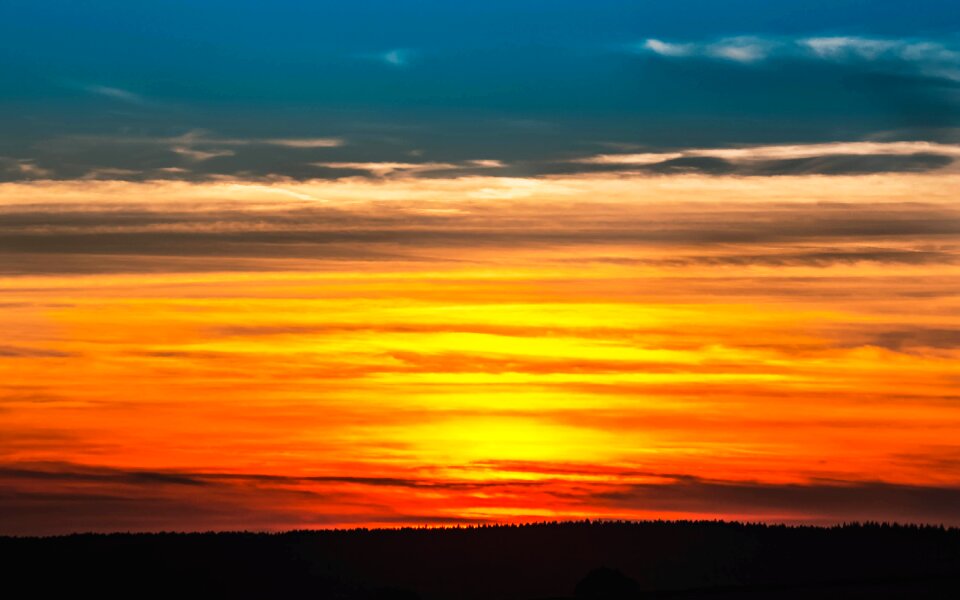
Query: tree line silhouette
(584, 560)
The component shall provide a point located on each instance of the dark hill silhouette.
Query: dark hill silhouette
(607, 584)
(595, 561)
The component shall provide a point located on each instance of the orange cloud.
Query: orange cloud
(274, 355)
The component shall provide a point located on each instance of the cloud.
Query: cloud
(492, 249)
(668, 49)
(303, 142)
(304, 232)
(78, 473)
(200, 137)
(115, 226)
(23, 169)
(23, 352)
(381, 169)
(143, 157)
(828, 158)
(823, 501)
(844, 47)
(812, 258)
(930, 58)
(387, 168)
(793, 151)
(200, 155)
(96, 498)
(115, 93)
(397, 57)
(57, 497)
(190, 156)
(741, 49)
(914, 338)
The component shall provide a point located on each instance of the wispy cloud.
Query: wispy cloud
(200, 155)
(667, 49)
(196, 146)
(202, 137)
(396, 57)
(303, 142)
(382, 169)
(741, 49)
(97, 497)
(841, 47)
(115, 93)
(753, 154)
(932, 58)
(27, 169)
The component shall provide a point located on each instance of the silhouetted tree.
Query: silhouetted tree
(676, 560)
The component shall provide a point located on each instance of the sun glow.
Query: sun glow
(596, 360)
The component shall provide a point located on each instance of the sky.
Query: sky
(302, 265)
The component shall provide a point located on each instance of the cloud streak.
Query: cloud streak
(931, 58)
(115, 93)
(410, 219)
(200, 156)
(80, 494)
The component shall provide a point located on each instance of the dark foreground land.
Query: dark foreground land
(722, 561)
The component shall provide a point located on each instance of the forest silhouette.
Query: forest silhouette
(582, 560)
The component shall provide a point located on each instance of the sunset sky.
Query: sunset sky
(420, 262)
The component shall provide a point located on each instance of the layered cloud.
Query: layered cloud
(201, 156)
(399, 348)
(796, 220)
(103, 499)
(832, 158)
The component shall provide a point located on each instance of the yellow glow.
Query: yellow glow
(523, 372)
